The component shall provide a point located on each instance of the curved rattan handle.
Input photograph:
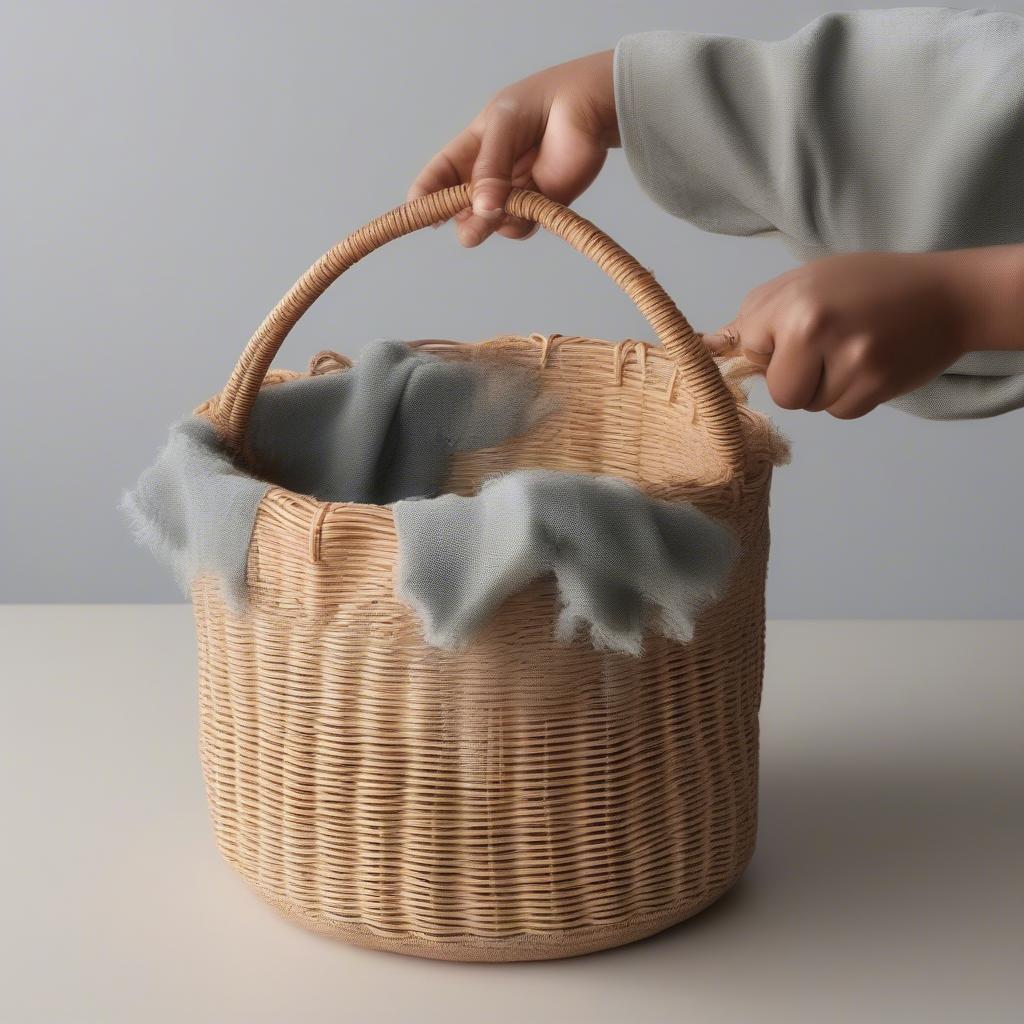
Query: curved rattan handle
(711, 395)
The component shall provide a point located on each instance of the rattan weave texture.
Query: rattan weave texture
(520, 799)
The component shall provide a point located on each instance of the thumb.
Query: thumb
(724, 341)
(493, 168)
(753, 339)
(491, 177)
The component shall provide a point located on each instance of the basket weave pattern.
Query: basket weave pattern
(520, 799)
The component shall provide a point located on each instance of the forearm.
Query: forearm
(991, 282)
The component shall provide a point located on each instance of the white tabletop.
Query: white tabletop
(888, 884)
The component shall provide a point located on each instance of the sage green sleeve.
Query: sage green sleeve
(887, 129)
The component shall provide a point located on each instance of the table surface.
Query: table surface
(887, 884)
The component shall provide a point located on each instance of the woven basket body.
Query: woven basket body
(521, 799)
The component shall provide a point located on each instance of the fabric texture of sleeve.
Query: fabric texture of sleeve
(898, 130)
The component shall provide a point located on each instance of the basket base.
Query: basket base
(553, 945)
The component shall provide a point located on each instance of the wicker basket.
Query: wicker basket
(519, 800)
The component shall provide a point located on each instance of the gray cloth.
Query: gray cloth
(195, 509)
(623, 562)
(387, 428)
(383, 432)
(897, 130)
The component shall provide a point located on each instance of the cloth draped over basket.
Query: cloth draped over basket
(384, 432)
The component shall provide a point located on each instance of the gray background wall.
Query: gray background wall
(170, 168)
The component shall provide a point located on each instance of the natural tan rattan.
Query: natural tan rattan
(520, 799)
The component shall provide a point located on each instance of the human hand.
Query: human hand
(550, 132)
(848, 332)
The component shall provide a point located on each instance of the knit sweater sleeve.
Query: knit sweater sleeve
(882, 129)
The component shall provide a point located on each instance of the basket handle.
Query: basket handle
(712, 397)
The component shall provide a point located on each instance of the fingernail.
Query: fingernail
(717, 342)
(485, 209)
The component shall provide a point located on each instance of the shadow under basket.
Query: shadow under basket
(520, 799)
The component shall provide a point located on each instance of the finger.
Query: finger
(522, 177)
(831, 387)
(452, 166)
(756, 343)
(495, 163)
(749, 333)
(491, 178)
(794, 374)
(725, 341)
(838, 374)
(518, 234)
(518, 229)
(511, 227)
(860, 398)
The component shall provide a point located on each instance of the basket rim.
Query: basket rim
(753, 423)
